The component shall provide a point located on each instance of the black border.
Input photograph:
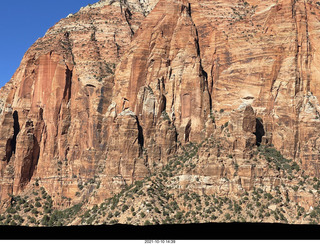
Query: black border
(215, 231)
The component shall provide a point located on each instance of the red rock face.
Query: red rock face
(250, 57)
(160, 78)
(112, 92)
(57, 99)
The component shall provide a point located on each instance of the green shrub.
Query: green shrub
(124, 208)
(46, 209)
(114, 221)
(147, 222)
(45, 220)
(237, 208)
(313, 214)
(21, 201)
(268, 196)
(179, 215)
(13, 223)
(26, 210)
(227, 216)
(11, 210)
(16, 217)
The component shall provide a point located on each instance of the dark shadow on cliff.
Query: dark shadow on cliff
(230, 231)
(260, 132)
(12, 143)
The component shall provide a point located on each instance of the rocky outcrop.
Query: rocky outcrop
(249, 56)
(58, 97)
(110, 94)
(160, 80)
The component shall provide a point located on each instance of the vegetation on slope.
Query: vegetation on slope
(159, 199)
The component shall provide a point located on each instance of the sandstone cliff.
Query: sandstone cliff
(114, 92)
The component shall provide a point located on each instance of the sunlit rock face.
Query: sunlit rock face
(112, 92)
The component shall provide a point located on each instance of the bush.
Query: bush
(313, 214)
(45, 220)
(21, 201)
(13, 223)
(11, 210)
(46, 209)
(227, 216)
(27, 210)
(179, 215)
(114, 221)
(295, 166)
(147, 222)
(16, 217)
(124, 208)
(237, 208)
(268, 196)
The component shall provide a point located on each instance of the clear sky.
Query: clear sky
(23, 22)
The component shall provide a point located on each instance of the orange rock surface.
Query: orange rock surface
(113, 91)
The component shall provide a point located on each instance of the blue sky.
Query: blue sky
(23, 22)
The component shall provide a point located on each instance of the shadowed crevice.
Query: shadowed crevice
(187, 132)
(16, 130)
(67, 89)
(12, 142)
(140, 135)
(259, 131)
